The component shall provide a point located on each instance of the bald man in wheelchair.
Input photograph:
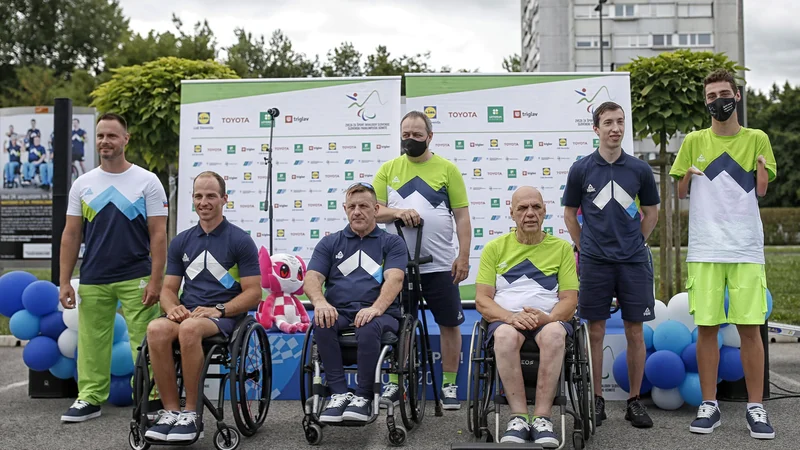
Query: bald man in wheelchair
(527, 288)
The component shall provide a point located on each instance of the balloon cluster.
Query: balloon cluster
(37, 316)
(670, 370)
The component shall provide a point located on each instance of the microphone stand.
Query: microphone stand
(268, 160)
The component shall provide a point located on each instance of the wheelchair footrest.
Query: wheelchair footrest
(492, 446)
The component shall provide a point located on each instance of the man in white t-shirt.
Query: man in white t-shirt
(122, 210)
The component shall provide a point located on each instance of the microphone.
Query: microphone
(273, 112)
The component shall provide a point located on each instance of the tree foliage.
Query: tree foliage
(512, 63)
(148, 96)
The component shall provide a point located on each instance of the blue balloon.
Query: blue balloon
(12, 285)
(648, 336)
(665, 369)
(24, 325)
(52, 325)
(40, 298)
(769, 304)
(121, 359)
(673, 336)
(690, 389)
(41, 353)
(615, 321)
(689, 357)
(121, 393)
(620, 371)
(120, 329)
(64, 368)
(730, 364)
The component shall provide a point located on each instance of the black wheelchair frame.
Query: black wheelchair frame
(406, 354)
(231, 353)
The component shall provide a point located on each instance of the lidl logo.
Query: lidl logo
(529, 158)
(197, 164)
(281, 176)
(512, 173)
(493, 143)
(331, 204)
(546, 171)
(231, 149)
(476, 159)
(528, 143)
(203, 118)
(495, 114)
(495, 203)
(478, 232)
(331, 190)
(264, 147)
(476, 172)
(596, 142)
(459, 145)
(430, 111)
(314, 234)
(229, 205)
(548, 230)
(298, 148)
(562, 142)
(262, 206)
(198, 148)
(366, 146)
(265, 120)
(331, 145)
(298, 203)
(349, 161)
(315, 175)
(348, 176)
(248, 176)
(281, 233)
(512, 229)
(495, 217)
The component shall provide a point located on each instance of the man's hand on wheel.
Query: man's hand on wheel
(178, 314)
(325, 315)
(366, 315)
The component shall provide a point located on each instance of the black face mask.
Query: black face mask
(413, 147)
(722, 108)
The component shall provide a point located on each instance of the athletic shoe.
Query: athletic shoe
(518, 431)
(81, 411)
(391, 392)
(637, 414)
(543, 433)
(708, 418)
(166, 420)
(599, 410)
(185, 429)
(450, 397)
(335, 408)
(360, 409)
(758, 423)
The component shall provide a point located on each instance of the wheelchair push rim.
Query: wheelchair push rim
(251, 379)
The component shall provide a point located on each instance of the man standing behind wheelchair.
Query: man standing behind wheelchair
(363, 268)
(218, 263)
(527, 288)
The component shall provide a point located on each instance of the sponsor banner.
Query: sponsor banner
(329, 135)
(507, 131)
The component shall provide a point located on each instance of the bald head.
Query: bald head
(528, 209)
(527, 193)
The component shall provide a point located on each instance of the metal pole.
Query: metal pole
(600, 5)
(62, 178)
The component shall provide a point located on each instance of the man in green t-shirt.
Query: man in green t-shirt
(527, 288)
(419, 184)
(729, 167)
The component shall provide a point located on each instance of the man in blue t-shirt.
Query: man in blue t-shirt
(362, 267)
(46, 168)
(32, 133)
(13, 164)
(218, 264)
(78, 143)
(36, 156)
(614, 261)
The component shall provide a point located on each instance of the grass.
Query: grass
(783, 265)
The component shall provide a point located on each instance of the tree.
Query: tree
(344, 61)
(40, 86)
(382, 64)
(512, 63)
(667, 97)
(248, 56)
(252, 58)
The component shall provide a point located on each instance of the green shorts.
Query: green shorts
(747, 293)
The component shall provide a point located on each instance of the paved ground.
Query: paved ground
(27, 423)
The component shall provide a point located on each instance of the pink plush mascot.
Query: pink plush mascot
(283, 276)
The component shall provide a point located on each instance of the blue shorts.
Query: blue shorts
(225, 324)
(529, 334)
(442, 298)
(631, 283)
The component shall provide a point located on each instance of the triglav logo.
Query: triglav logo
(366, 107)
(590, 98)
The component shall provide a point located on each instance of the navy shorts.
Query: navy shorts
(225, 325)
(631, 283)
(442, 298)
(529, 334)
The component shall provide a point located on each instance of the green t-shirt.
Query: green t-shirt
(527, 275)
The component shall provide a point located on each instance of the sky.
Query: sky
(468, 34)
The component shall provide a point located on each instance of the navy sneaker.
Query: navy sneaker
(543, 433)
(81, 411)
(360, 409)
(166, 420)
(450, 397)
(637, 414)
(599, 410)
(391, 392)
(758, 423)
(335, 408)
(708, 418)
(518, 431)
(185, 428)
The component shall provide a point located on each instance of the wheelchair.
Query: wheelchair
(248, 360)
(406, 354)
(574, 396)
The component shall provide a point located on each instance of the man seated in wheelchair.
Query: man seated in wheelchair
(362, 267)
(218, 265)
(527, 288)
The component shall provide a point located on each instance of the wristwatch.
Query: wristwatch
(221, 308)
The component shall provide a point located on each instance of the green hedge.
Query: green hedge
(781, 227)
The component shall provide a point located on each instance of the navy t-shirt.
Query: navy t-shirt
(35, 152)
(353, 267)
(212, 264)
(607, 194)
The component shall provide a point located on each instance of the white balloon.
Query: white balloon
(67, 343)
(75, 282)
(70, 317)
(60, 306)
(730, 336)
(660, 313)
(678, 310)
(668, 399)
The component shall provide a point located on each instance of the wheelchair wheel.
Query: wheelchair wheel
(582, 382)
(412, 379)
(481, 380)
(226, 439)
(136, 440)
(251, 379)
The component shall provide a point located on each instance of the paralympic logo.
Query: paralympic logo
(590, 101)
(362, 107)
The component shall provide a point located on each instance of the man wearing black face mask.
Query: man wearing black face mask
(728, 167)
(421, 184)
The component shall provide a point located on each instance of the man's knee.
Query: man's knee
(507, 339)
(161, 330)
(634, 331)
(552, 338)
(190, 331)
